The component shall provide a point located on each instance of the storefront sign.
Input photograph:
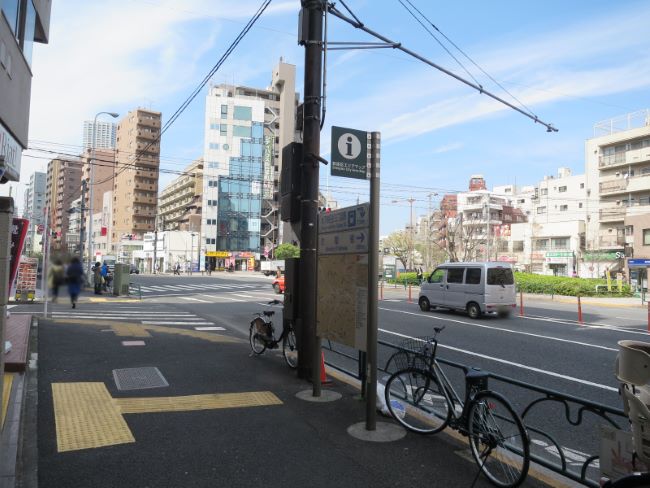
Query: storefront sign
(507, 259)
(559, 254)
(217, 254)
(603, 255)
(10, 151)
(18, 233)
(632, 263)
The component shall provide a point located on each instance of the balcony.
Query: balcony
(626, 158)
(613, 214)
(613, 186)
(641, 155)
(611, 241)
(147, 135)
(149, 122)
(625, 185)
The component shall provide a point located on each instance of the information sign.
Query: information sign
(345, 219)
(350, 153)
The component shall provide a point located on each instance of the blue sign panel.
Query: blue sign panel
(638, 262)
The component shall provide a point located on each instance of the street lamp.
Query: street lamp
(410, 253)
(91, 185)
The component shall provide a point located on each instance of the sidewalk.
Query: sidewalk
(225, 419)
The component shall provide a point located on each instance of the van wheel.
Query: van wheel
(276, 288)
(425, 306)
(473, 310)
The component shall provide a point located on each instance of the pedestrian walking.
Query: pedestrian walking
(104, 273)
(97, 277)
(55, 278)
(74, 277)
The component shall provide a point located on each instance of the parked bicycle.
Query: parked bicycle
(261, 336)
(421, 398)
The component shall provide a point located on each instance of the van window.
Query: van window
(436, 276)
(455, 275)
(500, 276)
(473, 276)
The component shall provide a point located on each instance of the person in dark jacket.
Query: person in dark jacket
(74, 275)
(97, 277)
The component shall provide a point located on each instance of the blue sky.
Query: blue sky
(573, 63)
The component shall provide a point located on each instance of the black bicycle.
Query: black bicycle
(421, 398)
(261, 336)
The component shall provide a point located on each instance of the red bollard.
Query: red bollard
(381, 296)
(521, 303)
(410, 299)
(580, 311)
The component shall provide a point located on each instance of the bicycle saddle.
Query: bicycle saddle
(268, 313)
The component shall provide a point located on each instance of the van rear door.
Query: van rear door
(499, 288)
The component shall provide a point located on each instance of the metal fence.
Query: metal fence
(554, 419)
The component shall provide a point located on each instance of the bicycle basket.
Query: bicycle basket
(416, 352)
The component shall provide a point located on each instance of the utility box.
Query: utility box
(290, 309)
(121, 277)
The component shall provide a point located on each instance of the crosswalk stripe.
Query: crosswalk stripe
(223, 297)
(153, 322)
(242, 295)
(103, 317)
(195, 299)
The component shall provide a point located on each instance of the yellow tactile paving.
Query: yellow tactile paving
(86, 417)
(197, 402)
(122, 328)
(207, 336)
(130, 330)
(6, 389)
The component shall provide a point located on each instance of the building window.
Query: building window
(241, 131)
(629, 230)
(561, 243)
(580, 205)
(541, 210)
(564, 208)
(517, 246)
(242, 113)
(223, 130)
(544, 191)
(224, 111)
(646, 237)
(582, 185)
(214, 126)
(540, 244)
(214, 145)
(562, 189)
(10, 10)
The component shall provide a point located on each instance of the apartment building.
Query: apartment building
(135, 183)
(62, 187)
(33, 208)
(245, 129)
(617, 161)
(552, 240)
(22, 23)
(105, 134)
(179, 204)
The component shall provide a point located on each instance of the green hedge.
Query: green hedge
(561, 285)
(407, 279)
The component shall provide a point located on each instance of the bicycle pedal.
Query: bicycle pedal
(272, 345)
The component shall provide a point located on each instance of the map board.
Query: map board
(343, 299)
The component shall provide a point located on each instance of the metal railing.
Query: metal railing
(535, 405)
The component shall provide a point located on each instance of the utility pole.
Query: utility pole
(82, 222)
(309, 345)
(155, 245)
(487, 247)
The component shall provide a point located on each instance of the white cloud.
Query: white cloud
(453, 146)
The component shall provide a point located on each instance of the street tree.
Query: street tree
(286, 251)
(400, 244)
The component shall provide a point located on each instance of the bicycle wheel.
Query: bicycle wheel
(258, 328)
(289, 349)
(415, 399)
(498, 440)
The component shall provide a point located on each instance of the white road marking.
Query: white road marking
(223, 297)
(133, 343)
(155, 322)
(241, 295)
(550, 338)
(511, 363)
(209, 328)
(588, 325)
(123, 317)
(195, 299)
(11, 306)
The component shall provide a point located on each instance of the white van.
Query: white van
(476, 288)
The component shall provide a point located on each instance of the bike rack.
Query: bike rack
(544, 397)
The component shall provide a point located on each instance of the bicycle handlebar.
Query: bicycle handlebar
(274, 302)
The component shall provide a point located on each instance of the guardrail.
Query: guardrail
(549, 415)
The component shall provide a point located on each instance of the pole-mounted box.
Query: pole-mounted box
(290, 177)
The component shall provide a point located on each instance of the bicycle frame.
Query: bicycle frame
(269, 323)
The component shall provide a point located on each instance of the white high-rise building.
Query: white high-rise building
(33, 207)
(105, 135)
(245, 131)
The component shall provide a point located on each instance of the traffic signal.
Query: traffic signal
(290, 182)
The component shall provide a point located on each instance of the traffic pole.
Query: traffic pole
(580, 311)
(521, 303)
(649, 316)
(382, 291)
(410, 299)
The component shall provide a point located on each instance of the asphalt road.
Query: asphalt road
(546, 348)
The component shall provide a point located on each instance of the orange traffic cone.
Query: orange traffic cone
(323, 376)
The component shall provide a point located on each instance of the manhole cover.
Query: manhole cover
(139, 378)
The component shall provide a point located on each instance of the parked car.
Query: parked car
(133, 269)
(278, 284)
(476, 288)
